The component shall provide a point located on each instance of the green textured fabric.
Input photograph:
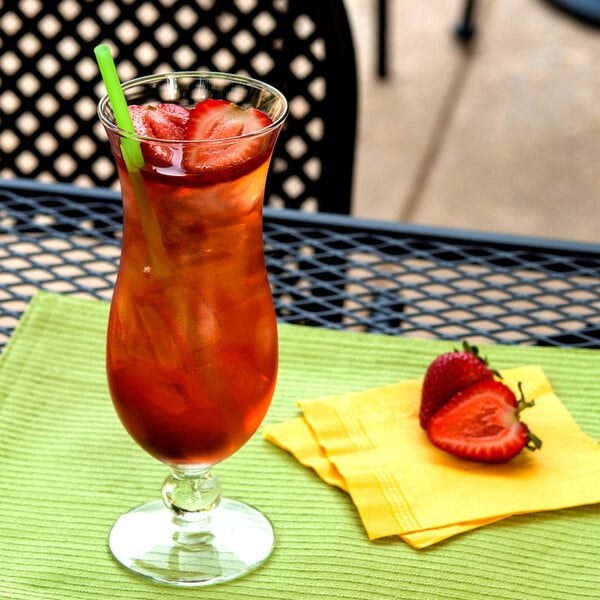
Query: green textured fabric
(69, 470)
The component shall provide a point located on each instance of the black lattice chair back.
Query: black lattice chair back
(50, 82)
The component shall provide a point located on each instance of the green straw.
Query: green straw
(134, 160)
(132, 153)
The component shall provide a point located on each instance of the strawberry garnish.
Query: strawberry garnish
(175, 117)
(161, 121)
(481, 423)
(448, 374)
(220, 120)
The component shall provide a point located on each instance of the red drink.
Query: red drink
(192, 340)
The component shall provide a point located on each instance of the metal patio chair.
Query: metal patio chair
(50, 83)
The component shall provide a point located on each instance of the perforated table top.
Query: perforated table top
(327, 270)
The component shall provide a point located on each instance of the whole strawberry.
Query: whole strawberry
(481, 423)
(448, 374)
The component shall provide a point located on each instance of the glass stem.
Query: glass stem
(191, 493)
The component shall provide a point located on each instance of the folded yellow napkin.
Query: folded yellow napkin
(370, 444)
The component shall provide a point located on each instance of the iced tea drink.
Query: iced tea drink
(192, 340)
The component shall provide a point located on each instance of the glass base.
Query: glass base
(226, 543)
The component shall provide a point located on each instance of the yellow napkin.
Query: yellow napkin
(370, 444)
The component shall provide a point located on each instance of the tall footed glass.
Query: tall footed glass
(192, 341)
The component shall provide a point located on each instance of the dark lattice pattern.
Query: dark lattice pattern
(339, 272)
(50, 82)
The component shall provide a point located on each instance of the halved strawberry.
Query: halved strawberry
(481, 423)
(448, 374)
(164, 121)
(220, 120)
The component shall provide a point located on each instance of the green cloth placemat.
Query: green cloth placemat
(69, 470)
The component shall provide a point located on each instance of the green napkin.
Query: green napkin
(69, 470)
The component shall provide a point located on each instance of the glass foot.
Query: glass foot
(229, 542)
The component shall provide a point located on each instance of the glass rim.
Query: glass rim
(234, 78)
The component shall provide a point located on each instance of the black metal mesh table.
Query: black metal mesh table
(326, 270)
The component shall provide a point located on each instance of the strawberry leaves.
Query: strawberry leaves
(533, 442)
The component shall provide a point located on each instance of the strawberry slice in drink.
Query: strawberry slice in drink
(229, 156)
(164, 121)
